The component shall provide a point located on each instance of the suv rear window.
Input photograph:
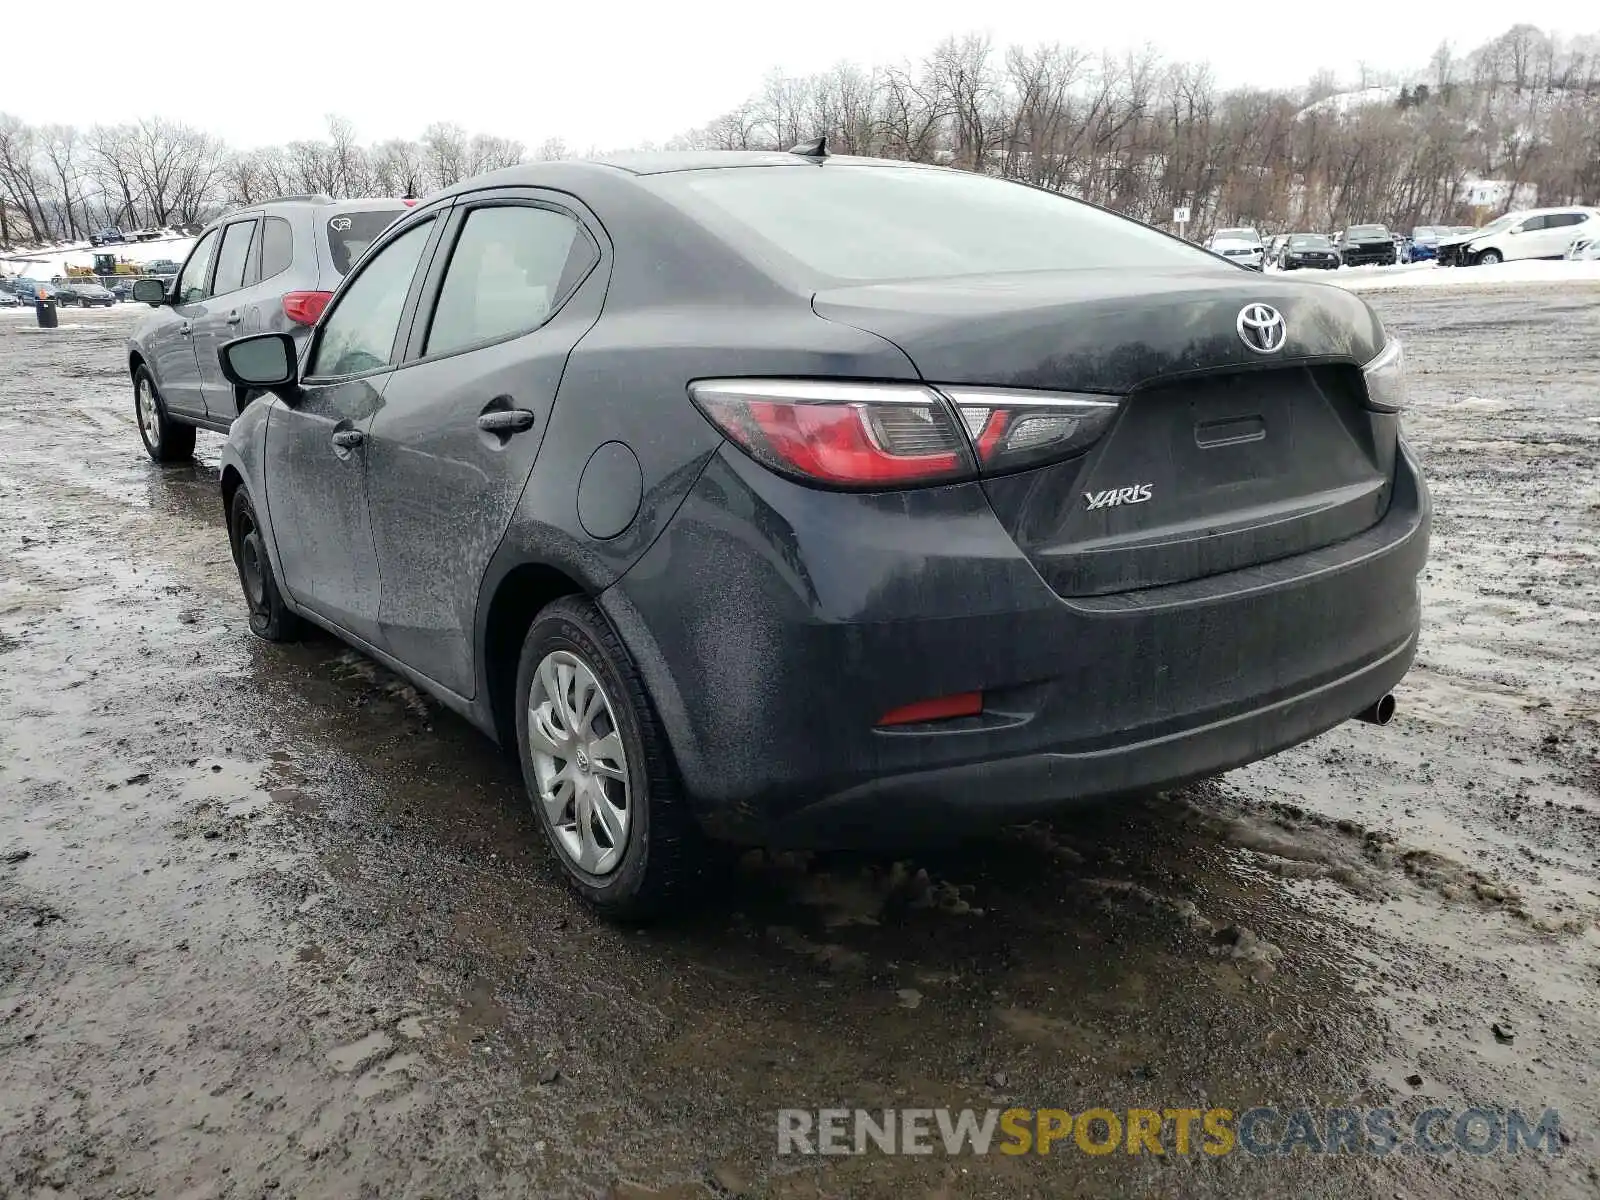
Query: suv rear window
(350, 233)
(879, 223)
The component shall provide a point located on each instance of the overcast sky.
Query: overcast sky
(611, 75)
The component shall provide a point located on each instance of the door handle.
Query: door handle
(348, 439)
(506, 421)
(234, 318)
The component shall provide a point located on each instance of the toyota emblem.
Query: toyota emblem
(1262, 329)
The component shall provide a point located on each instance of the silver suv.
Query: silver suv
(268, 268)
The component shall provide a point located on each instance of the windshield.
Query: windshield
(1367, 231)
(1238, 235)
(350, 233)
(880, 223)
(1309, 239)
(1499, 223)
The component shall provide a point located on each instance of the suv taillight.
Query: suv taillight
(303, 308)
(874, 436)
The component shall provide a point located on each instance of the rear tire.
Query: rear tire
(165, 440)
(270, 618)
(597, 767)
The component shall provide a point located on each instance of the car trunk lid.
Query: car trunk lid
(1221, 456)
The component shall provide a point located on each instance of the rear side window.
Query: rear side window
(350, 233)
(232, 257)
(277, 246)
(880, 223)
(505, 275)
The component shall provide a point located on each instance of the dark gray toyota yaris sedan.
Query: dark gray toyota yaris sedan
(800, 498)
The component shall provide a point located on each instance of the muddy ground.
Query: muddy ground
(272, 924)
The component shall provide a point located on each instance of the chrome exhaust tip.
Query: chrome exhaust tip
(1379, 713)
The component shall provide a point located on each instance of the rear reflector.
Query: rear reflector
(303, 308)
(963, 704)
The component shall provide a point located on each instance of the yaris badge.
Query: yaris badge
(1262, 329)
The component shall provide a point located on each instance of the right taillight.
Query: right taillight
(875, 436)
(303, 308)
(1386, 379)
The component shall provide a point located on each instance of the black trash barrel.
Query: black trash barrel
(44, 311)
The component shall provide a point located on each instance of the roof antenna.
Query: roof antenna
(817, 150)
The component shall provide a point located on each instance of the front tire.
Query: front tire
(270, 618)
(165, 440)
(1490, 257)
(597, 767)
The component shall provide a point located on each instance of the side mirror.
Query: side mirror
(1514, 230)
(150, 291)
(262, 360)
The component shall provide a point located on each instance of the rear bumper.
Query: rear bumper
(775, 624)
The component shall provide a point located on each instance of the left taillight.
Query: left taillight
(1012, 428)
(303, 308)
(863, 435)
(884, 435)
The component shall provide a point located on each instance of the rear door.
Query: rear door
(220, 316)
(1560, 229)
(171, 343)
(461, 422)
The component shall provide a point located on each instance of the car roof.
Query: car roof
(570, 172)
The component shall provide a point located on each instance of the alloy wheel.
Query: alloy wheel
(579, 763)
(149, 418)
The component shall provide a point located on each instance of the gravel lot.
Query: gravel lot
(271, 923)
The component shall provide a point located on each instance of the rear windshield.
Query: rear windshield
(880, 223)
(350, 233)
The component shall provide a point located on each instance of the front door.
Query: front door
(220, 315)
(316, 456)
(461, 422)
(171, 345)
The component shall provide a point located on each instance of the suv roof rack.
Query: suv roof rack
(306, 197)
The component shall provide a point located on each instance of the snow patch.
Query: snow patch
(1425, 275)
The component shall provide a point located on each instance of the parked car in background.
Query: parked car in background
(85, 295)
(1240, 246)
(8, 298)
(1275, 245)
(107, 237)
(1365, 245)
(628, 442)
(1585, 247)
(1425, 242)
(1532, 233)
(1308, 250)
(122, 289)
(161, 266)
(269, 267)
(31, 291)
(1402, 247)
